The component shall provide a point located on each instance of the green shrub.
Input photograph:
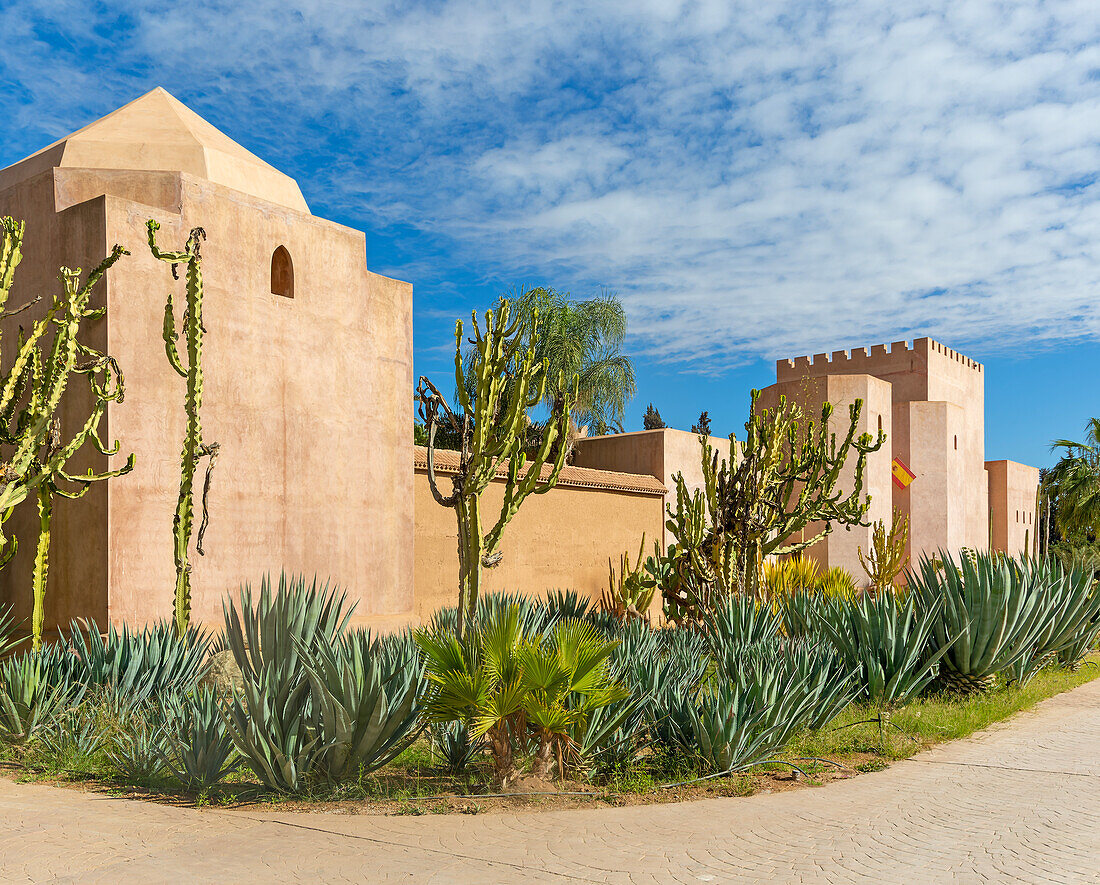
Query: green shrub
(885, 641)
(29, 700)
(364, 704)
(199, 749)
(138, 667)
(989, 614)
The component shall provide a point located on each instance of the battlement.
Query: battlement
(878, 360)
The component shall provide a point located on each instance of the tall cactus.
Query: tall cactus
(504, 382)
(194, 449)
(886, 558)
(30, 398)
(785, 475)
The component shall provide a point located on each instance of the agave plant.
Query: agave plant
(567, 604)
(271, 639)
(614, 734)
(800, 613)
(270, 726)
(885, 641)
(75, 735)
(8, 627)
(452, 741)
(198, 749)
(741, 620)
(138, 667)
(364, 703)
(137, 750)
(798, 683)
(536, 616)
(670, 680)
(283, 625)
(1072, 616)
(29, 700)
(990, 614)
(731, 730)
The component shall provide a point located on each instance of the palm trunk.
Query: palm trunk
(544, 756)
(501, 747)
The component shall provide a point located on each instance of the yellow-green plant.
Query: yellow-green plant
(194, 448)
(491, 425)
(887, 557)
(630, 590)
(837, 582)
(781, 577)
(503, 681)
(31, 391)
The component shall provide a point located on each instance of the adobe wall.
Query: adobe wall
(1012, 517)
(308, 398)
(659, 453)
(75, 237)
(840, 547)
(560, 540)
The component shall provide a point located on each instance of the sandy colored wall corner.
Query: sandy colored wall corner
(560, 540)
(1012, 517)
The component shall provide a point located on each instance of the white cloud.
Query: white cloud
(754, 179)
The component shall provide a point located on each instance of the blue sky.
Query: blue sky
(755, 180)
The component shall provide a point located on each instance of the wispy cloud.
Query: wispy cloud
(754, 179)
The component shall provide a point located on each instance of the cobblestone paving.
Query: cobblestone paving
(1018, 803)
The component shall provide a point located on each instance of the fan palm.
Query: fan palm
(1074, 483)
(581, 338)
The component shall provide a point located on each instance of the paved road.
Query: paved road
(1019, 803)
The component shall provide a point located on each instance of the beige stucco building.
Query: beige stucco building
(308, 364)
(930, 400)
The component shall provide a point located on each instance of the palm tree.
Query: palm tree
(583, 339)
(1074, 484)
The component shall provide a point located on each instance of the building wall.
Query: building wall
(659, 453)
(560, 540)
(308, 398)
(841, 546)
(1012, 516)
(76, 237)
(937, 429)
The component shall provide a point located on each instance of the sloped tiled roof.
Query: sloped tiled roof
(574, 477)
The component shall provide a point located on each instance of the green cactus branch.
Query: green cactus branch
(494, 393)
(194, 448)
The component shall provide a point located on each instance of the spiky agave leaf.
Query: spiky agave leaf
(29, 702)
(1071, 619)
(884, 640)
(199, 749)
(989, 613)
(363, 715)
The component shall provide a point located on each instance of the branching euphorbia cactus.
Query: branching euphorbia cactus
(491, 426)
(194, 449)
(30, 399)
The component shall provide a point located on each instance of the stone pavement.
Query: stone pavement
(1018, 803)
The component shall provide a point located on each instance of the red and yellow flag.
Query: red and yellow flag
(902, 474)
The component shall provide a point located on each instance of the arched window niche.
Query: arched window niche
(282, 273)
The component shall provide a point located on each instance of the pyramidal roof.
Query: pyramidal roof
(157, 132)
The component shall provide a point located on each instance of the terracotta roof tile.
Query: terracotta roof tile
(574, 477)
